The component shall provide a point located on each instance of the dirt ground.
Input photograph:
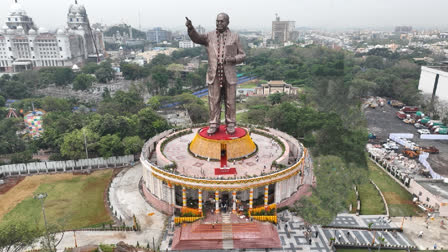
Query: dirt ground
(10, 183)
(382, 121)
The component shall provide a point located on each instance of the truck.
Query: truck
(442, 131)
(424, 120)
(409, 109)
(395, 103)
(438, 127)
(430, 122)
(401, 115)
(430, 149)
(434, 124)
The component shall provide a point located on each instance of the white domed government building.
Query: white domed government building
(25, 46)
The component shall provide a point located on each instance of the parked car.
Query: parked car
(423, 131)
(418, 125)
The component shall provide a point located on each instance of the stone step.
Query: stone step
(227, 244)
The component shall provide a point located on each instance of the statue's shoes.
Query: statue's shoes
(212, 130)
(230, 129)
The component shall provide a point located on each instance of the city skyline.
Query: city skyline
(329, 14)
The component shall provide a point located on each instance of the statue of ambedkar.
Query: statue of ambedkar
(224, 52)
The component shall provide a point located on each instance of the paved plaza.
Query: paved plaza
(362, 221)
(177, 151)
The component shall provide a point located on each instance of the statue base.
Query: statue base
(237, 145)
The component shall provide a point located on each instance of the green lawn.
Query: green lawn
(72, 203)
(398, 199)
(248, 85)
(371, 202)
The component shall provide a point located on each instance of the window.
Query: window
(60, 49)
(71, 19)
(427, 199)
(32, 48)
(16, 19)
(9, 19)
(419, 193)
(9, 48)
(77, 20)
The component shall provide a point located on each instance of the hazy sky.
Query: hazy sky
(243, 13)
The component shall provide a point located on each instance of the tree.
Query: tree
(132, 145)
(2, 101)
(150, 123)
(63, 76)
(73, 146)
(160, 77)
(275, 98)
(331, 193)
(16, 237)
(83, 81)
(110, 145)
(103, 75)
(90, 68)
(10, 142)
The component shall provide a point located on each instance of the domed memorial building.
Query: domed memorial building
(25, 46)
(188, 167)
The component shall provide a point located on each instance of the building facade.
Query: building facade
(283, 31)
(25, 46)
(434, 84)
(158, 35)
(276, 86)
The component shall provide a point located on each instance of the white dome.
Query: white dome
(43, 30)
(10, 31)
(17, 9)
(20, 28)
(5, 27)
(60, 32)
(77, 8)
(78, 15)
(32, 32)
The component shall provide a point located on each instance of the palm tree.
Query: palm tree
(381, 240)
(370, 229)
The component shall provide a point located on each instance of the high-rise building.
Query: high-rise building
(282, 31)
(403, 29)
(25, 46)
(158, 35)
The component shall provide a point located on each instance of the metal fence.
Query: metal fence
(64, 166)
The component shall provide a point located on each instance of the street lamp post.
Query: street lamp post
(41, 197)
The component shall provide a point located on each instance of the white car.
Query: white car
(423, 131)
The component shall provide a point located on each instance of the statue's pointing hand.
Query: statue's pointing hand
(188, 23)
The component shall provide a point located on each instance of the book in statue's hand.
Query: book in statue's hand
(231, 50)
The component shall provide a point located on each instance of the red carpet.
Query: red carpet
(253, 235)
(223, 160)
(221, 134)
(230, 171)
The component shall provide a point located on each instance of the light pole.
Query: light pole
(41, 197)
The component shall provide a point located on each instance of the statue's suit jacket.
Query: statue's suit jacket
(210, 41)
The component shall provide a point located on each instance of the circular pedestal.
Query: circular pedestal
(237, 145)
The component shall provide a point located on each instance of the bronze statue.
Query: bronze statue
(224, 52)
